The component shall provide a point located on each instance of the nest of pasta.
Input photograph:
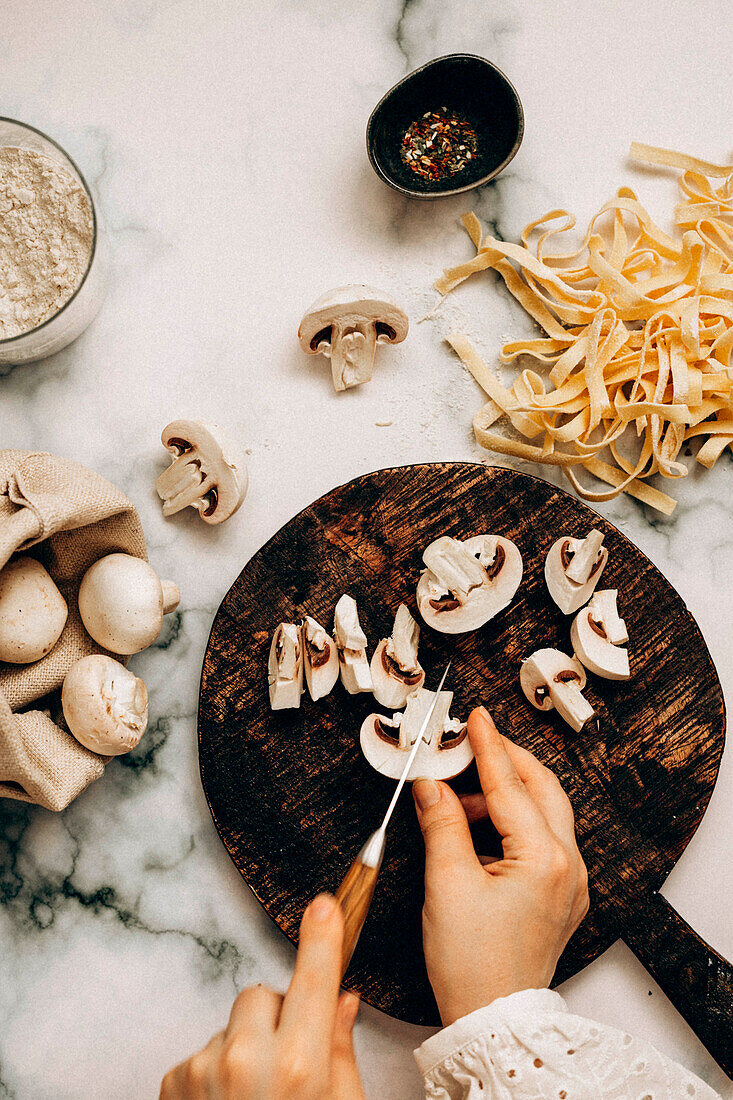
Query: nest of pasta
(639, 331)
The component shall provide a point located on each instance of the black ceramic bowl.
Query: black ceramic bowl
(467, 85)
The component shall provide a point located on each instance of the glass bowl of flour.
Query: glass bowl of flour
(53, 255)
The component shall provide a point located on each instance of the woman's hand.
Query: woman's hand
(296, 1047)
(492, 930)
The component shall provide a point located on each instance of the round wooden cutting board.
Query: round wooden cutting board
(293, 798)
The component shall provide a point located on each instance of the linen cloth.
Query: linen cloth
(529, 1047)
(67, 516)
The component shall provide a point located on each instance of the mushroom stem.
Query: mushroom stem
(171, 596)
(178, 476)
(352, 356)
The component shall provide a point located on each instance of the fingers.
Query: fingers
(474, 807)
(309, 1009)
(546, 792)
(543, 787)
(444, 827)
(514, 814)
(346, 1083)
(257, 1009)
(191, 1080)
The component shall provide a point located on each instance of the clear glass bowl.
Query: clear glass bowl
(81, 308)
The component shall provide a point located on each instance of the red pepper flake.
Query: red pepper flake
(439, 144)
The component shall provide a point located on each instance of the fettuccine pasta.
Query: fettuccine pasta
(636, 359)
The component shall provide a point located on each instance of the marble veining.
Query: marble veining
(225, 146)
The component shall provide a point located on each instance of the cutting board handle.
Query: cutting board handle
(697, 980)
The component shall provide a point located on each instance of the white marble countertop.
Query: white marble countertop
(226, 146)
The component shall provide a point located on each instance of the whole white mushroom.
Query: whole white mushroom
(32, 612)
(105, 705)
(122, 602)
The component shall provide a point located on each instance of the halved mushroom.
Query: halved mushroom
(396, 671)
(207, 472)
(595, 632)
(32, 612)
(351, 643)
(444, 753)
(553, 681)
(573, 568)
(320, 659)
(345, 325)
(467, 583)
(285, 667)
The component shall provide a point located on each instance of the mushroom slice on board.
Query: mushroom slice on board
(32, 612)
(573, 568)
(553, 681)
(351, 643)
(207, 472)
(345, 325)
(595, 632)
(320, 659)
(396, 671)
(285, 667)
(444, 753)
(467, 583)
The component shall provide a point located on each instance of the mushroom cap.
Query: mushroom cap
(431, 762)
(122, 602)
(570, 595)
(33, 612)
(483, 600)
(594, 649)
(105, 705)
(221, 462)
(351, 306)
(320, 677)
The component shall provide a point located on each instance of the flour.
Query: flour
(46, 234)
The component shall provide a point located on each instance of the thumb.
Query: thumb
(444, 827)
(345, 1080)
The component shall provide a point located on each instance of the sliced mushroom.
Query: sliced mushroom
(285, 667)
(105, 705)
(553, 681)
(396, 671)
(445, 752)
(595, 632)
(467, 583)
(573, 568)
(351, 643)
(32, 612)
(122, 602)
(207, 473)
(320, 659)
(346, 325)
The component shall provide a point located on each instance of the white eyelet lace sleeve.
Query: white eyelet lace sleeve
(529, 1047)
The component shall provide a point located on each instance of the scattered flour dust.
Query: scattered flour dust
(46, 234)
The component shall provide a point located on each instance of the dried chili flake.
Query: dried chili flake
(439, 144)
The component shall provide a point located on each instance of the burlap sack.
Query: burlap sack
(71, 516)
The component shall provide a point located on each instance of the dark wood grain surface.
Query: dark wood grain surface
(293, 798)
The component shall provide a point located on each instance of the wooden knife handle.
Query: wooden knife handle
(355, 895)
(697, 980)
